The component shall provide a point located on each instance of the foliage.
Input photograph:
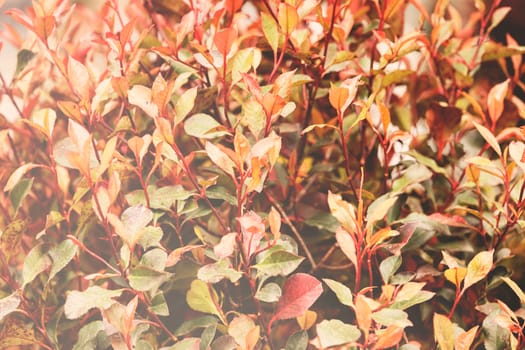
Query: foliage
(262, 174)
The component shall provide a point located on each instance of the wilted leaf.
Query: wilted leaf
(300, 291)
(15, 334)
(478, 268)
(443, 332)
(335, 332)
(79, 303)
(11, 236)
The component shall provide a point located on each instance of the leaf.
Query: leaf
(79, 303)
(19, 192)
(78, 76)
(516, 289)
(363, 313)
(17, 175)
(411, 294)
(465, 339)
(347, 244)
(9, 304)
(15, 334)
(288, 18)
(478, 268)
(342, 292)
(184, 105)
(220, 158)
(389, 266)
(456, 275)
(216, 272)
(517, 153)
(159, 305)
(297, 341)
(335, 332)
(278, 263)
(23, 57)
(343, 211)
(204, 126)
(195, 323)
(132, 222)
(140, 96)
(313, 126)
(443, 332)
(61, 255)
(88, 336)
(203, 298)
(146, 279)
(35, 262)
(270, 31)
(378, 209)
(338, 97)
(44, 120)
(253, 230)
(244, 331)
(224, 40)
(496, 100)
(269, 293)
(392, 317)
(390, 337)
(300, 291)
(11, 236)
(489, 137)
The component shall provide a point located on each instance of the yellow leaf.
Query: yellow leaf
(443, 332)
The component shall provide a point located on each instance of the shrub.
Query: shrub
(262, 174)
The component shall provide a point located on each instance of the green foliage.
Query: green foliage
(262, 175)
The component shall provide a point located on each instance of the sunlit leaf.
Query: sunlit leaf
(9, 304)
(388, 338)
(478, 268)
(220, 158)
(489, 137)
(269, 293)
(224, 40)
(244, 331)
(342, 292)
(443, 332)
(335, 332)
(465, 340)
(215, 272)
(496, 100)
(203, 298)
(61, 255)
(347, 244)
(270, 30)
(36, 261)
(278, 263)
(204, 126)
(79, 303)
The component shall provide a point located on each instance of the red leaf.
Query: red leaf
(253, 87)
(299, 293)
(233, 5)
(224, 40)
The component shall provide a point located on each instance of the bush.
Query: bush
(262, 174)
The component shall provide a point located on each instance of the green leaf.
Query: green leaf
(411, 294)
(61, 255)
(19, 192)
(92, 336)
(79, 303)
(298, 341)
(335, 332)
(342, 292)
(154, 259)
(207, 337)
(195, 323)
(270, 31)
(278, 263)
(269, 293)
(478, 268)
(35, 262)
(184, 105)
(150, 237)
(213, 273)
(388, 316)
(145, 279)
(9, 304)
(389, 266)
(204, 126)
(415, 173)
(185, 344)
(23, 57)
(159, 305)
(428, 162)
(203, 298)
(378, 209)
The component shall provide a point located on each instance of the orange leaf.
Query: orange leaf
(288, 18)
(44, 26)
(233, 5)
(496, 100)
(389, 338)
(224, 40)
(363, 313)
(338, 97)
